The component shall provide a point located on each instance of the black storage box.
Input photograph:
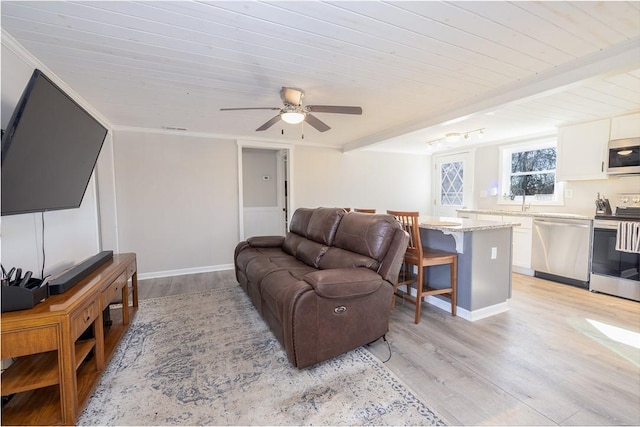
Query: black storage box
(16, 298)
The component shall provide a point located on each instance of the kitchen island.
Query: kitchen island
(484, 263)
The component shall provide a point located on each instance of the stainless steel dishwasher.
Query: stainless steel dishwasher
(562, 250)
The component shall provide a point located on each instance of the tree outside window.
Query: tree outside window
(530, 168)
(533, 171)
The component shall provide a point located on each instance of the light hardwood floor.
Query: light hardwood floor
(541, 363)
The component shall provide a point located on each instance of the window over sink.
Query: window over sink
(529, 170)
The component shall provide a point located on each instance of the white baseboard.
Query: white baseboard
(483, 313)
(471, 316)
(522, 270)
(182, 272)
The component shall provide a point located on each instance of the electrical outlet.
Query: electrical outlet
(568, 193)
(494, 253)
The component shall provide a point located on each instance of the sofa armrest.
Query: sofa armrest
(265, 241)
(344, 282)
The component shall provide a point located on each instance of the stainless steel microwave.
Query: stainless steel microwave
(624, 156)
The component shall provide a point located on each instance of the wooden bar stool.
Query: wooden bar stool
(423, 258)
(371, 211)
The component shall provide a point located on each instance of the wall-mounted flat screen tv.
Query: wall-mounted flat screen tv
(49, 150)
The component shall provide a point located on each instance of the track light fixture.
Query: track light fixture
(457, 136)
(452, 137)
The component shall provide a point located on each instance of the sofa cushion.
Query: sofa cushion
(279, 287)
(344, 282)
(245, 256)
(259, 267)
(289, 262)
(265, 241)
(366, 234)
(291, 242)
(300, 221)
(339, 258)
(323, 224)
(310, 252)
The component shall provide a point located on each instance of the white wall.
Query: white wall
(177, 195)
(362, 179)
(70, 235)
(584, 192)
(177, 200)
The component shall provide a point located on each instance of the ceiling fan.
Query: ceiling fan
(294, 112)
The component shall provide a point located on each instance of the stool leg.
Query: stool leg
(419, 288)
(454, 285)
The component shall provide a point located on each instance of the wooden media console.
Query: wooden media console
(55, 369)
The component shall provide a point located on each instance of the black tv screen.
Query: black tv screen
(49, 150)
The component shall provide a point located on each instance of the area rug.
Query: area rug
(209, 359)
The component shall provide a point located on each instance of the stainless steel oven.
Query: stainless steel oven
(614, 272)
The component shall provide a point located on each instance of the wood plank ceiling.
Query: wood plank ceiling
(418, 69)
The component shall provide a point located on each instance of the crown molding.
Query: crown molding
(213, 135)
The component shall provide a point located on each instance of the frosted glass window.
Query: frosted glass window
(451, 191)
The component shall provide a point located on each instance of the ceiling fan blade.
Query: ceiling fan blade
(270, 123)
(291, 95)
(316, 123)
(250, 108)
(334, 109)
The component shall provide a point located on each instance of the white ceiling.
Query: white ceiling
(513, 68)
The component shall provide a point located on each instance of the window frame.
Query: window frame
(504, 176)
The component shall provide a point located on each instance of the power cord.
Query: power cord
(43, 251)
(384, 338)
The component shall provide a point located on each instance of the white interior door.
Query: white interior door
(453, 179)
(264, 191)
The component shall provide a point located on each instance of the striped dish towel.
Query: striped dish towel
(628, 237)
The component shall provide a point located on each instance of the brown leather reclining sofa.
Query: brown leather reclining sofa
(326, 287)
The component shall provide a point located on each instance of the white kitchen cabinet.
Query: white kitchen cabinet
(582, 151)
(486, 217)
(522, 243)
(627, 126)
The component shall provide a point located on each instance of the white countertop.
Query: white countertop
(448, 224)
(527, 213)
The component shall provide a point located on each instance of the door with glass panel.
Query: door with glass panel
(453, 179)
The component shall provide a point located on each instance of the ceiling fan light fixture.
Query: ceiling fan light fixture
(292, 117)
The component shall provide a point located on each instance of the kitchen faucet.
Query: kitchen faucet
(519, 192)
